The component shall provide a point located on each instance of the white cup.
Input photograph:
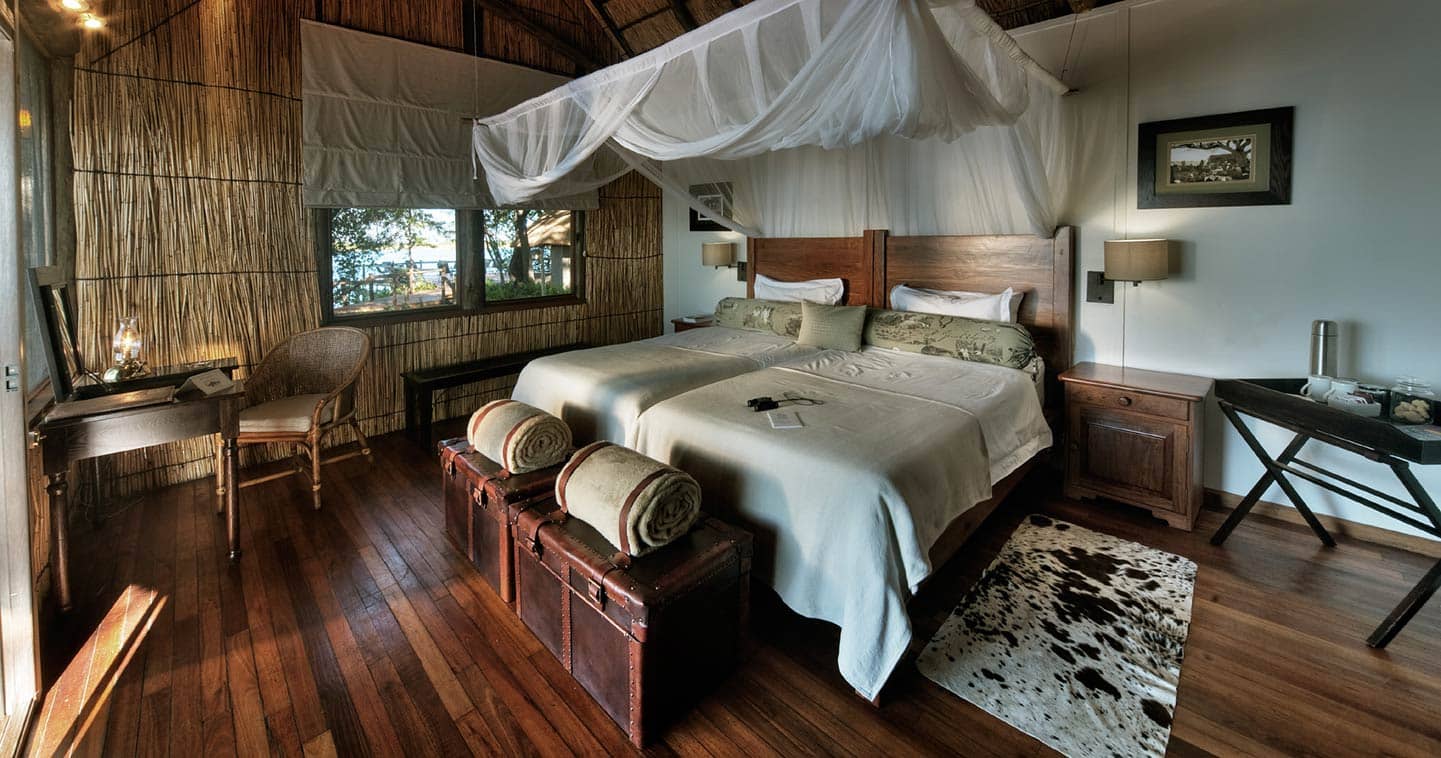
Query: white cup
(1317, 387)
(1340, 388)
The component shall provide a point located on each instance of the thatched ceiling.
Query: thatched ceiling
(639, 25)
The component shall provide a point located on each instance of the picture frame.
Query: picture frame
(1228, 159)
(719, 198)
(57, 309)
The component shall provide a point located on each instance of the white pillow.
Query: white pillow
(1004, 306)
(823, 291)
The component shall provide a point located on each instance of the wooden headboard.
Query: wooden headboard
(873, 263)
(793, 259)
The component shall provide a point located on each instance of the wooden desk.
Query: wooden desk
(68, 440)
(1278, 401)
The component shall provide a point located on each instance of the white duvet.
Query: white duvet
(600, 392)
(846, 507)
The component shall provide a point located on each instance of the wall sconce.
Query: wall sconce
(1134, 261)
(722, 255)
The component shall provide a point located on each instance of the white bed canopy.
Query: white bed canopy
(827, 116)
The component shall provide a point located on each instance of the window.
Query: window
(379, 264)
(36, 208)
(529, 254)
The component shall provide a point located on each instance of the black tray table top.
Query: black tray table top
(1279, 401)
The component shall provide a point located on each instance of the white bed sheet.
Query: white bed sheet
(600, 392)
(846, 508)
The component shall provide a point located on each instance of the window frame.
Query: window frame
(469, 276)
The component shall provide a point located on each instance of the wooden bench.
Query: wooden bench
(421, 384)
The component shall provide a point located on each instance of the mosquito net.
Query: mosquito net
(824, 116)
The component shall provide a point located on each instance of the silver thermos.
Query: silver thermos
(1323, 348)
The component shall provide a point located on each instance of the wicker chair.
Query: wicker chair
(300, 392)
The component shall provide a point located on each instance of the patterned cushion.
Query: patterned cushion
(969, 339)
(759, 316)
(832, 327)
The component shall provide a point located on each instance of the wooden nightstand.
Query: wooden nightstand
(681, 325)
(1136, 437)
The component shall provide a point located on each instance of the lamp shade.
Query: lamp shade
(1137, 260)
(718, 254)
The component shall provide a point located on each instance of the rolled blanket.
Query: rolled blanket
(518, 437)
(637, 503)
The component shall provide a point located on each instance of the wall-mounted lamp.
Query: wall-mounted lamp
(718, 254)
(722, 255)
(1137, 261)
(1133, 261)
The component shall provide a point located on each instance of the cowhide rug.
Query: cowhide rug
(1074, 637)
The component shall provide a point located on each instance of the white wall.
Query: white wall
(691, 288)
(1357, 244)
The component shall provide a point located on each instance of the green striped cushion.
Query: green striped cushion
(832, 327)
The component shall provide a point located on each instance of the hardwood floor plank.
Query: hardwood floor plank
(305, 704)
(251, 737)
(346, 730)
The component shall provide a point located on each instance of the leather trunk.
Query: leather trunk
(645, 641)
(481, 503)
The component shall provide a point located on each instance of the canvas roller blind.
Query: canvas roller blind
(385, 121)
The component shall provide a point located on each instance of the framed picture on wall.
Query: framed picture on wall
(717, 197)
(1228, 159)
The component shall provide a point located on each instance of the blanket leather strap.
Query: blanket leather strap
(571, 466)
(629, 503)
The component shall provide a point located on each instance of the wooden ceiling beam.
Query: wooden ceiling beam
(598, 10)
(507, 12)
(683, 14)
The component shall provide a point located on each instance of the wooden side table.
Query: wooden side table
(682, 325)
(1136, 436)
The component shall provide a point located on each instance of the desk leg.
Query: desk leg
(60, 533)
(1249, 501)
(1401, 614)
(1424, 589)
(232, 497)
(1273, 468)
(425, 408)
(411, 422)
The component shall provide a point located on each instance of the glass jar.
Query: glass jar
(1412, 401)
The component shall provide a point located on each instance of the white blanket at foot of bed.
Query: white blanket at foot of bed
(846, 507)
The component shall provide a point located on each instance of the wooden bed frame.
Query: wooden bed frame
(873, 263)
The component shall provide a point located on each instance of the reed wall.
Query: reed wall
(187, 132)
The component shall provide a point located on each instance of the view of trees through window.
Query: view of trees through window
(528, 254)
(395, 259)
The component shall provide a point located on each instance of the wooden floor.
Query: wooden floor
(355, 630)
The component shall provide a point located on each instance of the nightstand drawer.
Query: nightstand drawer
(1106, 397)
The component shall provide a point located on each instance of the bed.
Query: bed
(905, 456)
(600, 392)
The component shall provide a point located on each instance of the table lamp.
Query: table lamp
(125, 348)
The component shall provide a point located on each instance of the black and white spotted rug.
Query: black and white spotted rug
(1074, 637)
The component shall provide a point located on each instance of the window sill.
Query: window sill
(530, 303)
(382, 318)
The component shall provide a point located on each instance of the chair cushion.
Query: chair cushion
(286, 415)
